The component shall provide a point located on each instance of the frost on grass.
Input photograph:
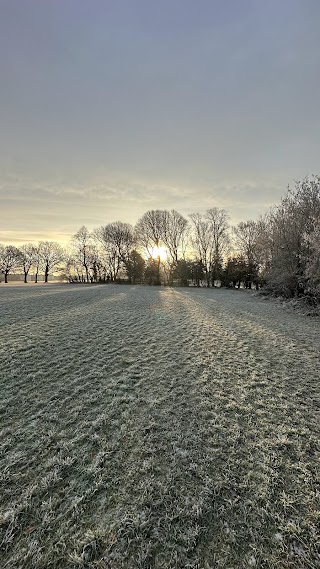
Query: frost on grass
(157, 428)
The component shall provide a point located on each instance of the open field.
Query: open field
(157, 428)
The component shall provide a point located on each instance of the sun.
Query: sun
(159, 252)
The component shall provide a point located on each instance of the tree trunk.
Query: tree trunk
(158, 271)
(25, 277)
(36, 277)
(6, 276)
(46, 274)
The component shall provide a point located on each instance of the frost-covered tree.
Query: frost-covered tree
(313, 261)
(293, 230)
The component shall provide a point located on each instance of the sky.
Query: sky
(109, 108)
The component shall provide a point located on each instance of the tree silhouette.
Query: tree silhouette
(51, 256)
(10, 258)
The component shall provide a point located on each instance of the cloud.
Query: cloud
(33, 208)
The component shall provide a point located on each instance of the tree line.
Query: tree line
(280, 251)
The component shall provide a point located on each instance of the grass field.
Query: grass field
(157, 428)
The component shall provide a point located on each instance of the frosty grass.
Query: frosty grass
(157, 428)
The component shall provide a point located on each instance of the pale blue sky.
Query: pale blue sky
(109, 108)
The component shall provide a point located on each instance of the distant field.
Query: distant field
(157, 428)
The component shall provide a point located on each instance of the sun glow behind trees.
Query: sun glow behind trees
(281, 249)
(159, 253)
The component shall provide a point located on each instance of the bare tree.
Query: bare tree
(202, 242)
(71, 271)
(36, 262)
(150, 229)
(149, 232)
(117, 240)
(82, 248)
(28, 258)
(10, 258)
(211, 241)
(174, 231)
(264, 243)
(219, 231)
(95, 262)
(51, 256)
(2, 254)
(247, 243)
(246, 235)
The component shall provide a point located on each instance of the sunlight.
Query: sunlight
(159, 252)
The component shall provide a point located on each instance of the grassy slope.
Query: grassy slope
(157, 428)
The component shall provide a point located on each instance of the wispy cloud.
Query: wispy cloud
(34, 209)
